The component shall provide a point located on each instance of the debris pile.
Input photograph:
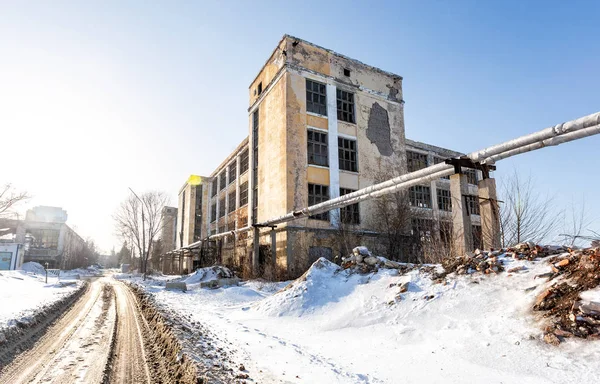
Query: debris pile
(362, 261)
(575, 272)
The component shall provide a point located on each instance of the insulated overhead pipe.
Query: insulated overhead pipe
(558, 134)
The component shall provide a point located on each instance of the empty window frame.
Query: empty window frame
(350, 214)
(422, 228)
(471, 176)
(244, 161)
(222, 207)
(222, 180)
(477, 237)
(345, 106)
(444, 200)
(415, 161)
(347, 155)
(316, 97)
(259, 89)
(232, 172)
(318, 194)
(213, 212)
(437, 160)
(420, 196)
(473, 204)
(214, 188)
(243, 194)
(231, 202)
(317, 148)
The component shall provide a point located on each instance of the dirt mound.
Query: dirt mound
(570, 314)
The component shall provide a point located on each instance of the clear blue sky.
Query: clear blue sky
(99, 96)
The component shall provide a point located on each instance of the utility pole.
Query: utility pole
(143, 256)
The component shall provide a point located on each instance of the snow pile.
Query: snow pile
(208, 274)
(33, 267)
(23, 294)
(323, 284)
(78, 272)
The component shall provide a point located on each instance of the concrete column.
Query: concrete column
(462, 232)
(490, 215)
(274, 248)
(256, 250)
(333, 155)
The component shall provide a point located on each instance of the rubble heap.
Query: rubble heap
(488, 262)
(362, 261)
(575, 272)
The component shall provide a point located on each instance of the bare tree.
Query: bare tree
(391, 217)
(526, 214)
(576, 223)
(9, 198)
(139, 219)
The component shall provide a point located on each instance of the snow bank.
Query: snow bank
(23, 293)
(208, 274)
(34, 267)
(324, 283)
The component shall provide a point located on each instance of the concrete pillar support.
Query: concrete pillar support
(274, 248)
(256, 250)
(462, 232)
(490, 215)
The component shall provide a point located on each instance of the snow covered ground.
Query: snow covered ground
(24, 293)
(334, 327)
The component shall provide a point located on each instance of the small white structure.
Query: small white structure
(11, 256)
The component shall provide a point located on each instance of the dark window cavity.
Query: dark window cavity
(473, 204)
(255, 166)
(350, 214)
(317, 148)
(422, 228)
(222, 207)
(213, 212)
(214, 188)
(259, 88)
(316, 97)
(244, 161)
(444, 200)
(231, 207)
(420, 196)
(415, 161)
(471, 176)
(318, 194)
(232, 172)
(345, 106)
(243, 194)
(222, 180)
(347, 155)
(346, 72)
(477, 237)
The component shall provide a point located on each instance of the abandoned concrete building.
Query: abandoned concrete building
(44, 236)
(321, 125)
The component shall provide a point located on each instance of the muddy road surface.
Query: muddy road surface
(102, 338)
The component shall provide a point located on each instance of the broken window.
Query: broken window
(444, 200)
(213, 212)
(231, 207)
(415, 161)
(232, 172)
(422, 228)
(473, 204)
(349, 214)
(420, 196)
(347, 155)
(438, 160)
(316, 97)
(471, 176)
(222, 207)
(243, 194)
(317, 148)
(346, 72)
(244, 161)
(259, 88)
(222, 180)
(345, 106)
(318, 194)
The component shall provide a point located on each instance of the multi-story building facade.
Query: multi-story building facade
(320, 125)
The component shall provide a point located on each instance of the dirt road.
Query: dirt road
(99, 339)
